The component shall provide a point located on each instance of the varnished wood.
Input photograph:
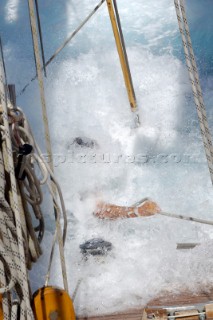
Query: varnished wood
(165, 299)
(209, 312)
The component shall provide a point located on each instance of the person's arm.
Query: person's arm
(111, 211)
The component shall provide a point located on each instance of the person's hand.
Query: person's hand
(148, 208)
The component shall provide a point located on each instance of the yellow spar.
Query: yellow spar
(126, 74)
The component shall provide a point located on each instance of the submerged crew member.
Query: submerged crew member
(110, 211)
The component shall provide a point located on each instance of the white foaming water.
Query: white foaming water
(89, 102)
(161, 159)
(11, 10)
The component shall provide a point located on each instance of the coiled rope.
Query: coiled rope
(30, 194)
(13, 247)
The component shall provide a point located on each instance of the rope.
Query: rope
(40, 80)
(31, 194)
(47, 135)
(76, 289)
(195, 82)
(19, 255)
(38, 158)
(65, 42)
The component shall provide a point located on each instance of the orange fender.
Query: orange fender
(1, 308)
(51, 303)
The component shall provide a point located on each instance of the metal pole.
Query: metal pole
(124, 65)
(123, 45)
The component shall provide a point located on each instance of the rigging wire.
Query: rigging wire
(65, 43)
(32, 42)
(40, 37)
(47, 137)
